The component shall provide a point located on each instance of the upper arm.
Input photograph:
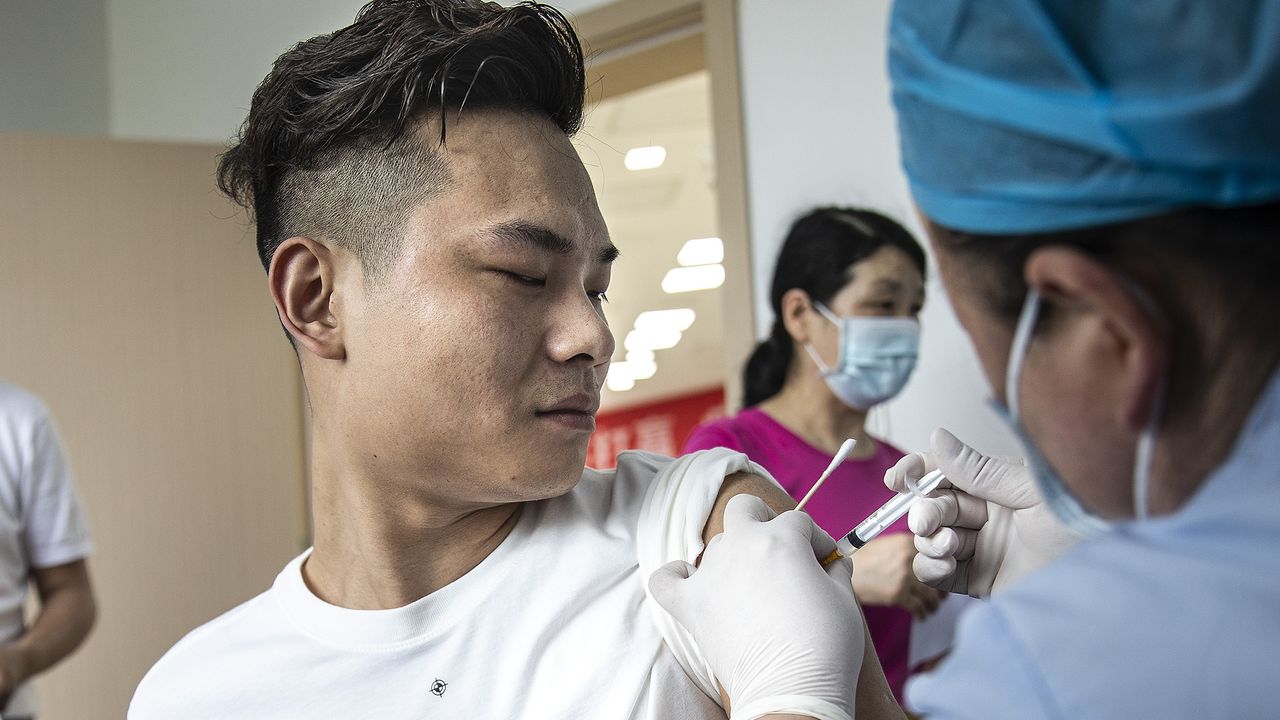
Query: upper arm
(69, 576)
(775, 497)
(737, 484)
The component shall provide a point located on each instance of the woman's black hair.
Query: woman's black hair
(820, 249)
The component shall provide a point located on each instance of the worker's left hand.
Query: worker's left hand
(883, 575)
(781, 633)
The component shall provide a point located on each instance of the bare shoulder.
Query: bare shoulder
(737, 484)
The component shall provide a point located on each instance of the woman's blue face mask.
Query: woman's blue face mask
(877, 356)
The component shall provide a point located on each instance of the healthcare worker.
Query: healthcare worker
(1101, 184)
(847, 288)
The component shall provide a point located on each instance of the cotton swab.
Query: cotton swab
(845, 449)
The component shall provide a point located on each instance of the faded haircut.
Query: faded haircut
(330, 149)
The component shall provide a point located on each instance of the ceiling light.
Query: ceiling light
(687, 279)
(619, 378)
(680, 319)
(642, 370)
(651, 339)
(702, 251)
(620, 382)
(640, 356)
(645, 158)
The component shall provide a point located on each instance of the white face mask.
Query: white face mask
(1057, 495)
(876, 358)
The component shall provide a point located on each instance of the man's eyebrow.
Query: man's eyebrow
(547, 240)
(608, 254)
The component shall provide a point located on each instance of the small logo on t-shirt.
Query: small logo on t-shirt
(438, 687)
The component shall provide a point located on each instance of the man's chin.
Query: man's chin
(558, 473)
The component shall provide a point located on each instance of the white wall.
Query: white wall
(184, 70)
(53, 75)
(178, 70)
(820, 129)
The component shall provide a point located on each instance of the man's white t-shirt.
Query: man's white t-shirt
(555, 623)
(41, 523)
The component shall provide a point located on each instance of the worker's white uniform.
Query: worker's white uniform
(1178, 617)
(555, 623)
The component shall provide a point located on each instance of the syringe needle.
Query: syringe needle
(889, 513)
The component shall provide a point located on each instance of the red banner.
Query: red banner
(660, 427)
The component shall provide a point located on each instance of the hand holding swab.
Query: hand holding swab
(845, 449)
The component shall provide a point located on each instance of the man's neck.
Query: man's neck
(373, 551)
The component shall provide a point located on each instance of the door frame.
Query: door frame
(631, 44)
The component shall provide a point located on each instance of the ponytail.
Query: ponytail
(766, 369)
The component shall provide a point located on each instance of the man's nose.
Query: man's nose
(579, 332)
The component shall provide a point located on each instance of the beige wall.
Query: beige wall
(134, 305)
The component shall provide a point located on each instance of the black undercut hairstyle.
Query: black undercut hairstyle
(330, 149)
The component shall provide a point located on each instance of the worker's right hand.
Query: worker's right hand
(882, 575)
(985, 531)
(782, 634)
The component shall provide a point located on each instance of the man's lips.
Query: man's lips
(581, 403)
(576, 412)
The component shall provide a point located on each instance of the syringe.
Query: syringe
(888, 514)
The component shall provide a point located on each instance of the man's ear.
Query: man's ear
(1128, 341)
(301, 278)
(797, 312)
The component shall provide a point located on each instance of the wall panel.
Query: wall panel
(131, 300)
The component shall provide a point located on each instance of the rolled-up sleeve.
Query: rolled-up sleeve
(675, 511)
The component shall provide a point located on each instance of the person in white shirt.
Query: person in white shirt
(437, 257)
(44, 540)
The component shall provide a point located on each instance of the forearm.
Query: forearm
(65, 619)
(874, 700)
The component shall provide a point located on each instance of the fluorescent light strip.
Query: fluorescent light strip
(619, 379)
(680, 319)
(652, 339)
(701, 251)
(645, 158)
(688, 279)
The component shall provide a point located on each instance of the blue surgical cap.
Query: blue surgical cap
(1025, 116)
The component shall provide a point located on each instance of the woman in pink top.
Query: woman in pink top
(846, 292)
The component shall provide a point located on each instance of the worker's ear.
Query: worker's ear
(1102, 333)
(302, 281)
(798, 315)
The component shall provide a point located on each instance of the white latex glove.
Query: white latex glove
(985, 531)
(883, 574)
(781, 634)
